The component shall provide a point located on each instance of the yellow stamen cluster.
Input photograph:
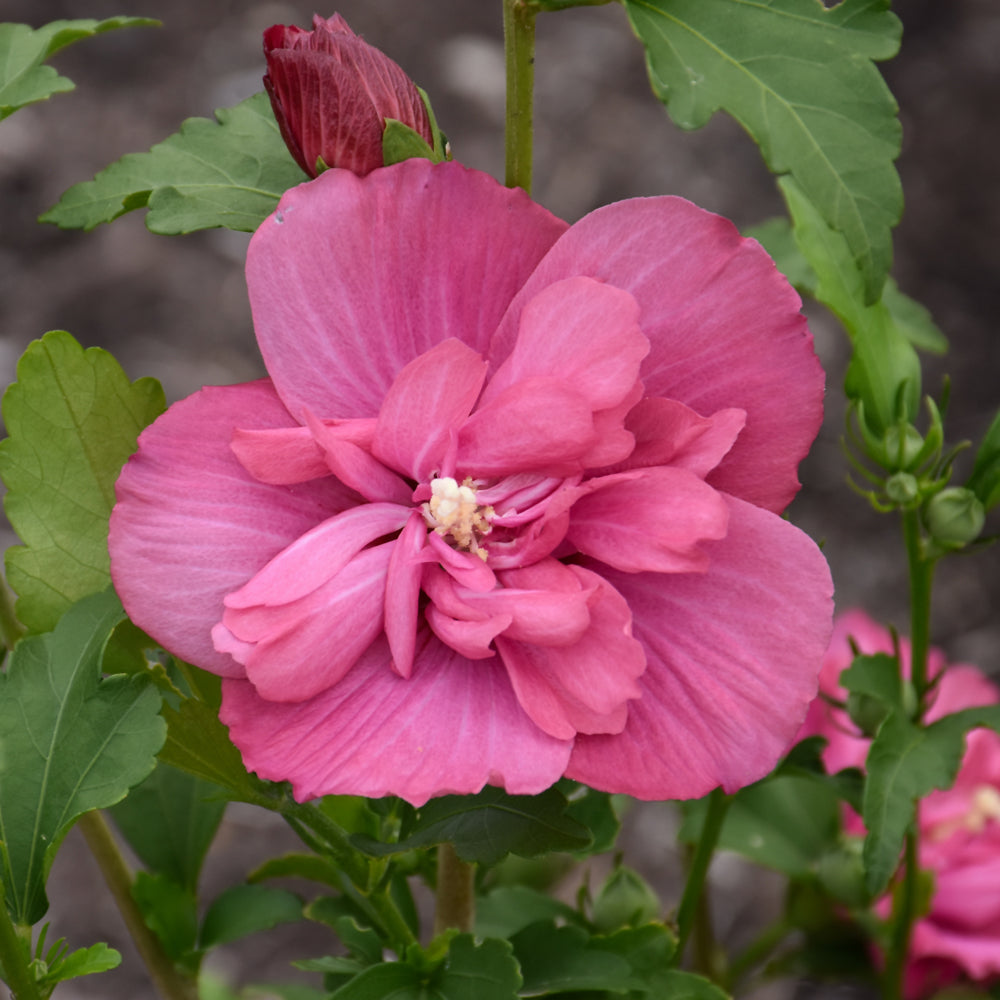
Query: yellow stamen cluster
(985, 806)
(454, 512)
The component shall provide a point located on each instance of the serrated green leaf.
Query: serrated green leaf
(885, 368)
(247, 909)
(171, 912)
(785, 823)
(72, 418)
(69, 742)
(198, 744)
(82, 962)
(509, 909)
(876, 676)
(23, 50)
(486, 827)
(559, 959)
(904, 764)
(677, 985)
(913, 320)
(800, 79)
(594, 810)
(985, 478)
(169, 821)
(228, 173)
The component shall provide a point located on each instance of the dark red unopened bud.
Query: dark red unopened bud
(332, 92)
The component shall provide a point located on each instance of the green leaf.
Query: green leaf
(559, 959)
(400, 142)
(82, 962)
(912, 320)
(509, 909)
(228, 173)
(800, 79)
(786, 823)
(885, 368)
(596, 811)
(69, 742)
(169, 821)
(487, 826)
(247, 909)
(171, 912)
(307, 866)
(23, 50)
(471, 971)
(904, 764)
(676, 985)
(73, 418)
(198, 744)
(985, 478)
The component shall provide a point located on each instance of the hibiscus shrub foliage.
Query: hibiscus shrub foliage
(496, 551)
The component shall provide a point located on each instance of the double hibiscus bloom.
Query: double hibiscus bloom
(507, 507)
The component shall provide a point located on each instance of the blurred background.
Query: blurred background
(175, 307)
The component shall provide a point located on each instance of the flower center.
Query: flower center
(985, 806)
(454, 512)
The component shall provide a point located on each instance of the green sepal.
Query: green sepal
(69, 742)
(826, 116)
(226, 173)
(400, 142)
(24, 79)
(73, 419)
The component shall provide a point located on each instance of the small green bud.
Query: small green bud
(867, 712)
(842, 873)
(902, 488)
(625, 900)
(954, 517)
(902, 444)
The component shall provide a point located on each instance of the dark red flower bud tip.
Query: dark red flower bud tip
(332, 93)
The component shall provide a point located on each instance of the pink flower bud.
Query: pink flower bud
(332, 92)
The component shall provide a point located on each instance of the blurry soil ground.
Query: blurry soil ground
(176, 308)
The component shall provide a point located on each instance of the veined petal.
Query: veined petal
(318, 555)
(580, 330)
(539, 423)
(426, 404)
(302, 648)
(451, 728)
(655, 521)
(402, 593)
(350, 280)
(724, 327)
(192, 525)
(280, 456)
(584, 687)
(733, 660)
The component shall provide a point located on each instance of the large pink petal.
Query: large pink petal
(580, 330)
(451, 728)
(352, 278)
(724, 327)
(654, 522)
(192, 525)
(733, 660)
(423, 409)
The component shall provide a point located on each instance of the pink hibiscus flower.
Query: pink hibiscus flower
(507, 507)
(959, 938)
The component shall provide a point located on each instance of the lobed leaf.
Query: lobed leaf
(904, 764)
(24, 79)
(800, 78)
(69, 743)
(72, 418)
(486, 827)
(228, 173)
(885, 369)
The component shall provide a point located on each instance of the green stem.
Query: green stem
(692, 901)
(16, 967)
(903, 917)
(170, 983)
(456, 892)
(921, 578)
(519, 45)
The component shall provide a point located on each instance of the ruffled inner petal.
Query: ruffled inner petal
(427, 402)
(655, 521)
